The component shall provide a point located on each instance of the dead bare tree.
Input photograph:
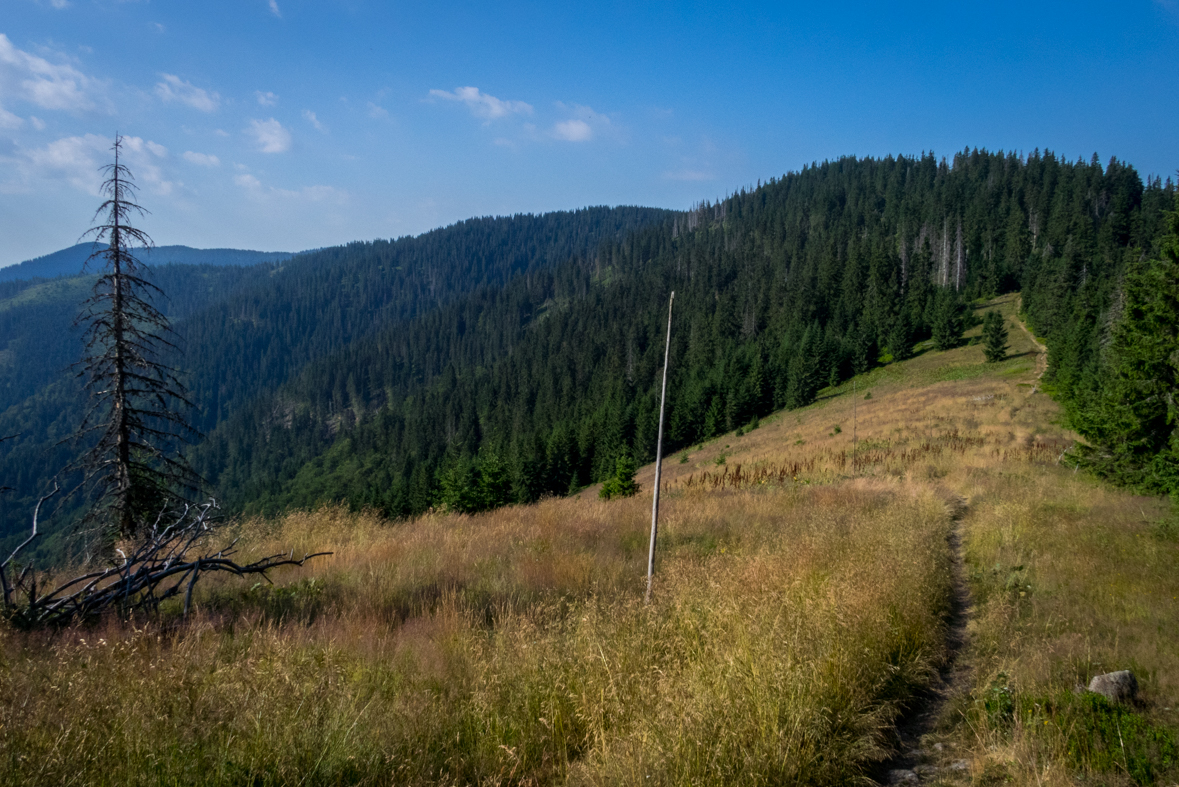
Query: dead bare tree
(133, 465)
(166, 561)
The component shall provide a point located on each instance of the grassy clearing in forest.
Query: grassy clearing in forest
(796, 612)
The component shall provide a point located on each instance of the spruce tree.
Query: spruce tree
(900, 337)
(134, 425)
(994, 337)
(947, 320)
(622, 483)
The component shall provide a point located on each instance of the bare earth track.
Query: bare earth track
(914, 761)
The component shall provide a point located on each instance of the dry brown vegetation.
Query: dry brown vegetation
(801, 600)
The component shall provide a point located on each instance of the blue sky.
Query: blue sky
(291, 124)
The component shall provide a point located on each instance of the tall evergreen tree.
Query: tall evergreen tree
(1135, 423)
(994, 337)
(133, 467)
(947, 319)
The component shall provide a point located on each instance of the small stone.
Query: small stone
(938, 747)
(1120, 686)
(960, 766)
(903, 777)
(925, 771)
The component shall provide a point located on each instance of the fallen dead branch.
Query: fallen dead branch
(160, 566)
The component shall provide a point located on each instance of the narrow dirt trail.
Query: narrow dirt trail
(915, 762)
(1042, 351)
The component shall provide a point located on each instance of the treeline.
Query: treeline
(538, 385)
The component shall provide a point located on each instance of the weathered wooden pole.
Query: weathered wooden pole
(659, 456)
(853, 427)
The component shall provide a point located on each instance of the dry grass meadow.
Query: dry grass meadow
(801, 602)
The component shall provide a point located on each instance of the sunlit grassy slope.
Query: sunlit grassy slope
(801, 600)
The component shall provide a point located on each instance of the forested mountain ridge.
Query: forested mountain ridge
(260, 325)
(537, 387)
(69, 262)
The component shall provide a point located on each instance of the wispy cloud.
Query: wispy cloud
(76, 161)
(266, 99)
(9, 120)
(248, 182)
(274, 8)
(584, 125)
(173, 88)
(573, 131)
(310, 117)
(308, 194)
(270, 136)
(483, 105)
(202, 159)
(377, 111)
(27, 77)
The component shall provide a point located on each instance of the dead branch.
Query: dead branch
(169, 559)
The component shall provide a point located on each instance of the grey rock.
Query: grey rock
(903, 777)
(925, 771)
(1120, 686)
(961, 766)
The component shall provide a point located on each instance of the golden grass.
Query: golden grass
(513, 647)
(791, 622)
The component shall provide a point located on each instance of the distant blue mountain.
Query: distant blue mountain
(68, 262)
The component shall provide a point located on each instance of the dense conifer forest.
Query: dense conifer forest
(501, 360)
(538, 387)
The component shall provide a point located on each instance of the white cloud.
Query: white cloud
(221, 132)
(270, 136)
(173, 88)
(247, 182)
(37, 122)
(160, 28)
(60, 4)
(266, 99)
(202, 159)
(9, 120)
(584, 125)
(73, 159)
(376, 111)
(483, 105)
(274, 9)
(77, 161)
(310, 117)
(31, 78)
(573, 131)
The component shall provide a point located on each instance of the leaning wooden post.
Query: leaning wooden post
(659, 456)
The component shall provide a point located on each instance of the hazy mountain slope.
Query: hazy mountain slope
(37, 338)
(69, 262)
